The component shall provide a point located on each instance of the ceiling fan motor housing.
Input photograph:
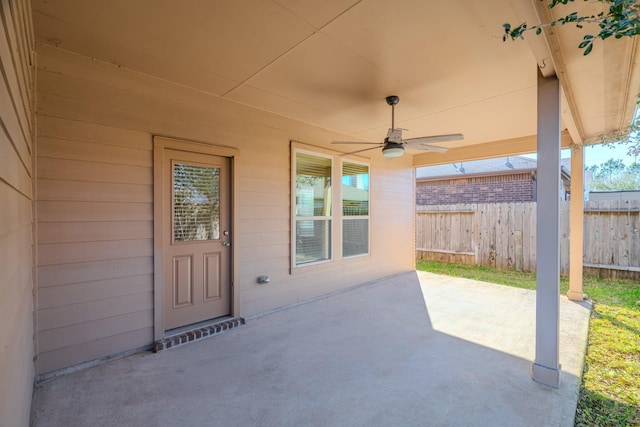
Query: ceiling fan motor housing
(392, 100)
(394, 135)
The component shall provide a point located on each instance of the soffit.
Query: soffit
(600, 90)
(603, 84)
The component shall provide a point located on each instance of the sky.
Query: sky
(598, 154)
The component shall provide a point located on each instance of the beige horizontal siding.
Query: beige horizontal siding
(265, 265)
(83, 132)
(94, 290)
(94, 349)
(68, 253)
(275, 212)
(259, 225)
(16, 193)
(50, 190)
(262, 238)
(16, 208)
(280, 284)
(92, 152)
(75, 170)
(14, 123)
(78, 334)
(19, 39)
(50, 211)
(55, 275)
(15, 171)
(260, 199)
(95, 209)
(275, 166)
(265, 185)
(106, 308)
(95, 242)
(270, 249)
(15, 247)
(93, 231)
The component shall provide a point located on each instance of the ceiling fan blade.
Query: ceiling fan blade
(354, 142)
(360, 151)
(434, 138)
(427, 147)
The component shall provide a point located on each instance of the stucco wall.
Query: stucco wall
(95, 252)
(509, 188)
(16, 190)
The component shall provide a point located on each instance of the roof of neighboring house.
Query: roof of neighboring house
(496, 166)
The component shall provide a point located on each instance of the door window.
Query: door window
(196, 203)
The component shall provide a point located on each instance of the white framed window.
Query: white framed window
(313, 217)
(355, 208)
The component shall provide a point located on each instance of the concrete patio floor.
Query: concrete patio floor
(416, 349)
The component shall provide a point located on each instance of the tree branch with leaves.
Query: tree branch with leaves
(614, 175)
(621, 20)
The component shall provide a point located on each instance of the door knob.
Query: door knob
(226, 244)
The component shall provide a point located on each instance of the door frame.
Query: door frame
(160, 143)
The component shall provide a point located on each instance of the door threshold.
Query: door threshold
(197, 331)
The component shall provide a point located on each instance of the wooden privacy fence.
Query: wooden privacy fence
(503, 235)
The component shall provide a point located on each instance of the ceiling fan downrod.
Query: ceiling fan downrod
(393, 100)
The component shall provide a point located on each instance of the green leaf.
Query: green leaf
(620, 18)
(587, 51)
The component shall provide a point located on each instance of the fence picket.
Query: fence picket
(503, 235)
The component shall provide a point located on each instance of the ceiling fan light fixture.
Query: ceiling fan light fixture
(392, 151)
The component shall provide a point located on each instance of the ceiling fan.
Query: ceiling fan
(394, 145)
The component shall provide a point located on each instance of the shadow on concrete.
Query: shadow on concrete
(391, 353)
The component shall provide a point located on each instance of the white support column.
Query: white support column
(546, 366)
(576, 214)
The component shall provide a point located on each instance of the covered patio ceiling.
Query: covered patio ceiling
(331, 63)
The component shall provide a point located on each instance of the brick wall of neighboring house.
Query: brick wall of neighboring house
(517, 187)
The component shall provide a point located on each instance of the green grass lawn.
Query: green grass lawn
(610, 389)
